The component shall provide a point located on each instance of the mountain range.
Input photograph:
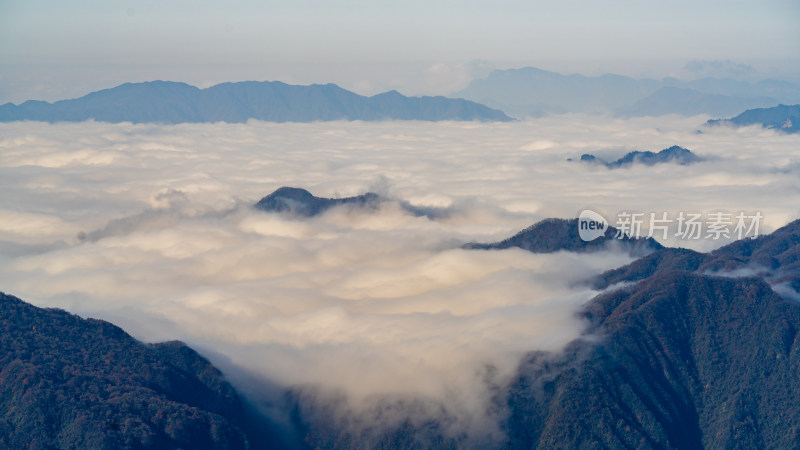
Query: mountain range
(172, 102)
(534, 92)
(683, 350)
(785, 118)
(524, 92)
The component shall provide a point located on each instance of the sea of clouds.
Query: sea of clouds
(152, 228)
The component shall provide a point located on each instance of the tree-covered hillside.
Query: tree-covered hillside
(68, 382)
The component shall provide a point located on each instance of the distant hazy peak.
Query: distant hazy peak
(175, 102)
(530, 91)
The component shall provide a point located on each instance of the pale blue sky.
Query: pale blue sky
(60, 47)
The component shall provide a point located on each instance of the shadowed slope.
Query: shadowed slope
(67, 382)
(685, 361)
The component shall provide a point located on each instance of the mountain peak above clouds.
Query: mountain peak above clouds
(674, 154)
(783, 118)
(552, 235)
(300, 203)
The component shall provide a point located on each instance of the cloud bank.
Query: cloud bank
(152, 228)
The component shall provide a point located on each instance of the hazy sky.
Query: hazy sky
(56, 47)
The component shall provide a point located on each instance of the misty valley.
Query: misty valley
(395, 284)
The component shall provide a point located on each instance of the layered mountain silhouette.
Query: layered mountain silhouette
(68, 382)
(298, 202)
(785, 118)
(172, 102)
(691, 102)
(681, 358)
(552, 235)
(674, 154)
(534, 92)
(774, 257)
(684, 360)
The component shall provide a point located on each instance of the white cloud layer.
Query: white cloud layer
(151, 227)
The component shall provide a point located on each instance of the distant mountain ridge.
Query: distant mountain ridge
(530, 91)
(691, 102)
(552, 235)
(674, 154)
(298, 202)
(534, 92)
(785, 118)
(174, 102)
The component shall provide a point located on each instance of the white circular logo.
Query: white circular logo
(591, 225)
